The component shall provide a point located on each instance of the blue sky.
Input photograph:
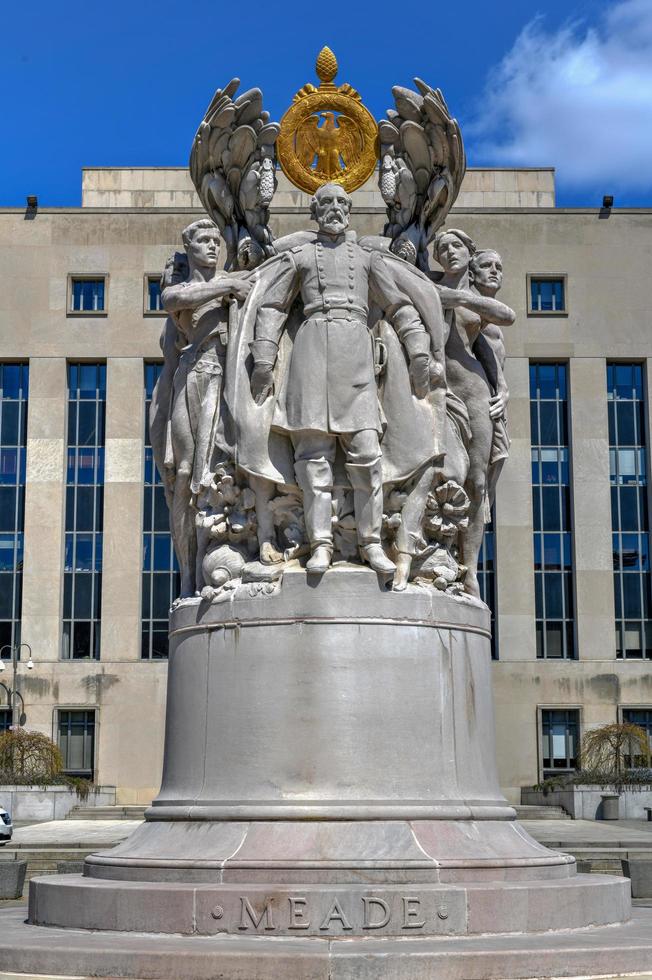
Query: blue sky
(562, 83)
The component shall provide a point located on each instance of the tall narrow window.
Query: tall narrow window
(5, 720)
(487, 578)
(560, 731)
(629, 511)
(13, 441)
(160, 583)
(643, 718)
(76, 739)
(152, 295)
(84, 504)
(553, 542)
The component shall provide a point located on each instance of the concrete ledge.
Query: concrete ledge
(325, 912)
(47, 953)
(48, 802)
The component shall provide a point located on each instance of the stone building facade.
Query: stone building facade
(85, 563)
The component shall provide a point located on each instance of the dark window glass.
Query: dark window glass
(76, 740)
(629, 512)
(553, 538)
(154, 303)
(487, 579)
(84, 497)
(87, 295)
(643, 718)
(14, 379)
(160, 575)
(547, 295)
(559, 739)
(548, 432)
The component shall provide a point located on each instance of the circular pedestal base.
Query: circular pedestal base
(606, 952)
(323, 912)
(329, 775)
(330, 852)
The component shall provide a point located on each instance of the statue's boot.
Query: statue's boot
(320, 560)
(367, 482)
(315, 478)
(376, 558)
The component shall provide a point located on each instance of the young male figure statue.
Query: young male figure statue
(331, 394)
(194, 343)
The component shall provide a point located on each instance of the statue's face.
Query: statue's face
(488, 271)
(452, 254)
(204, 247)
(332, 207)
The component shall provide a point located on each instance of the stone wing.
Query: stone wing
(232, 165)
(422, 163)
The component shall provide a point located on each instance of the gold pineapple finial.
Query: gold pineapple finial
(326, 65)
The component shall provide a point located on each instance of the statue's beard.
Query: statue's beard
(334, 222)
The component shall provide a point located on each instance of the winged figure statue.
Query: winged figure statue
(331, 142)
(422, 164)
(233, 168)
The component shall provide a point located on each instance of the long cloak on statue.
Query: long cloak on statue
(412, 428)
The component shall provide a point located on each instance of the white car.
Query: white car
(6, 827)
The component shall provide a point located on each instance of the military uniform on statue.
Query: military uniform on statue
(331, 391)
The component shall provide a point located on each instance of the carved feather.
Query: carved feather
(307, 140)
(415, 144)
(388, 132)
(242, 144)
(348, 140)
(268, 134)
(248, 106)
(408, 103)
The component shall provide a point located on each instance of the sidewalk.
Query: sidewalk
(559, 834)
(71, 833)
(571, 834)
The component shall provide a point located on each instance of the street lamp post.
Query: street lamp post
(13, 692)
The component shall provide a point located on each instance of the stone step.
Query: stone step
(118, 812)
(43, 861)
(540, 812)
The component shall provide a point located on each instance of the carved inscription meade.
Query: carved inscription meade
(390, 911)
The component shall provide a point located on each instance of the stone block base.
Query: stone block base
(639, 871)
(12, 878)
(325, 912)
(603, 951)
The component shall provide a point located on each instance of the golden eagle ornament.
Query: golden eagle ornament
(327, 134)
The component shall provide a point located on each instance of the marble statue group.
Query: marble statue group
(330, 426)
(326, 398)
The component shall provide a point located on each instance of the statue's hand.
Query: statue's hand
(498, 404)
(437, 373)
(420, 374)
(240, 288)
(262, 382)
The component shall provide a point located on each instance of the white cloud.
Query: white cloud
(578, 98)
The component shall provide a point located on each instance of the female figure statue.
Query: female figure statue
(473, 375)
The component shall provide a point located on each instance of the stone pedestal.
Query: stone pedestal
(330, 773)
